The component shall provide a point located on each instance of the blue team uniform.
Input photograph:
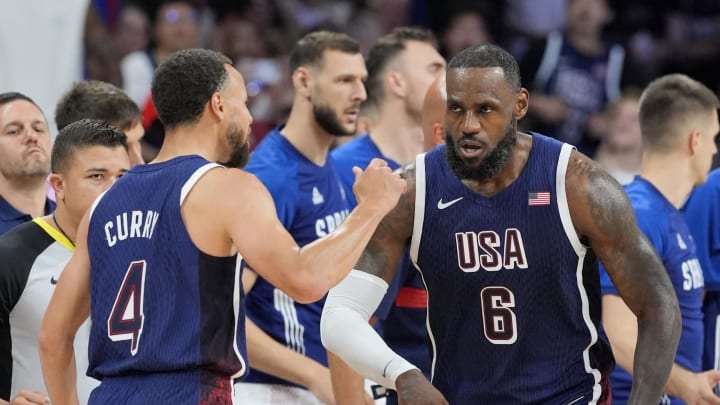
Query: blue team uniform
(702, 213)
(513, 295)
(310, 203)
(167, 319)
(667, 230)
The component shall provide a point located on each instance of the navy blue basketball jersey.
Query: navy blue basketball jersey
(310, 203)
(513, 295)
(667, 230)
(158, 304)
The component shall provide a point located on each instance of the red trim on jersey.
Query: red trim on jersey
(409, 297)
(149, 115)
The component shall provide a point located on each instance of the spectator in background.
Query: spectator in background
(175, 27)
(466, 28)
(24, 161)
(620, 151)
(132, 31)
(103, 101)
(572, 77)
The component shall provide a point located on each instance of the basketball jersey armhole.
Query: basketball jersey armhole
(563, 207)
(419, 207)
(190, 183)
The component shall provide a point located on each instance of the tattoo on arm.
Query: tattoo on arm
(392, 236)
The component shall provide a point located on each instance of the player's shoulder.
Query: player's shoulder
(353, 151)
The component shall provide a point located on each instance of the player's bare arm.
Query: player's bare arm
(69, 307)
(387, 245)
(604, 219)
(231, 208)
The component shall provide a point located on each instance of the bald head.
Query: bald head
(433, 115)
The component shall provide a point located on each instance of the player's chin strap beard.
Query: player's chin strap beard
(61, 230)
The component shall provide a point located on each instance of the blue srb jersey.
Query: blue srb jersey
(513, 295)
(667, 230)
(310, 203)
(358, 152)
(160, 305)
(403, 311)
(702, 212)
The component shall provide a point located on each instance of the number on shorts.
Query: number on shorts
(127, 316)
(499, 320)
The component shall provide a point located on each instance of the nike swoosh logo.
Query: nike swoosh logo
(53, 281)
(442, 205)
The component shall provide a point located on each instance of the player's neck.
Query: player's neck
(63, 222)
(398, 136)
(671, 175)
(304, 133)
(189, 140)
(27, 195)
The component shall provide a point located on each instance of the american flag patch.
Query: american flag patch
(541, 198)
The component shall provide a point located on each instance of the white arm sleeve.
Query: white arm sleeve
(345, 330)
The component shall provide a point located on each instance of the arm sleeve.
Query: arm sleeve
(345, 330)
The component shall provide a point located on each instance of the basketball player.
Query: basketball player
(504, 227)
(701, 212)
(289, 363)
(88, 156)
(678, 121)
(24, 161)
(401, 67)
(164, 245)
(103, 101)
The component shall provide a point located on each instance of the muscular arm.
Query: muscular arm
(603, 216)
(229, 210)
(620, 325)
(69, 307)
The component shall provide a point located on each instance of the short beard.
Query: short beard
(490, 166)
(328, 121)
(239, 152)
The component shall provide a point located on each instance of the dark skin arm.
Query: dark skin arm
(381, 258)
(604, 219)
(384, 251)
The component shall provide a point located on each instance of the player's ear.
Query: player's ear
(217, 105)
(57, 182)
(522, 101)
(395, 83)
(694, 141)
(302, 82)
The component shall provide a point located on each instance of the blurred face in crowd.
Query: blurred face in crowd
(588, 16)
(337, 92)
(24, 141)
(90, 171)
(421, 64)
(465, 30)
(176, 26)
(236, 121)
(624, 125)
(132, 32)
